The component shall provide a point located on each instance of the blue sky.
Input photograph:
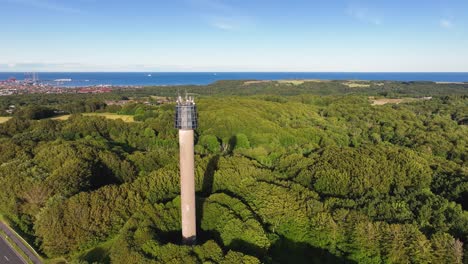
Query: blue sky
(233, 35)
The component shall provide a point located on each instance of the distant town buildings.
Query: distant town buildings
(12, 86)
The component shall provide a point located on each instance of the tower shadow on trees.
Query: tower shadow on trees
(208, 176)
(285, 250)
(232, 144)
(207, 189)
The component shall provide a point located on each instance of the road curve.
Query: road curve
(8, 255)
(6, 229)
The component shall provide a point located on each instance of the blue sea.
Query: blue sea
(203, 78)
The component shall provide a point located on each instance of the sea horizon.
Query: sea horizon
(155, 78)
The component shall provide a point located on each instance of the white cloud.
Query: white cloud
(313, 63)
(221, 15)
(364, 14)
(80, 67)
(446, 23)
(223, 26)
(229, 23)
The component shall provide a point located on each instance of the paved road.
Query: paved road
(19, 244)
(7, 255)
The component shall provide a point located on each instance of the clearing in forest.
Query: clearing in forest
(383, 101)
(125, 118)
(292, 81)
(356, 85)
(3, 119)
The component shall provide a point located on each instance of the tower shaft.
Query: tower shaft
(187, 186)
(186, 122)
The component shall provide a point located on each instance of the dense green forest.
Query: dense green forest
(285, 173)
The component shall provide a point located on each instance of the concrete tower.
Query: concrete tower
(186, 122)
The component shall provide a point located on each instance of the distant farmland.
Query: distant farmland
(125, 118)
(3, 119)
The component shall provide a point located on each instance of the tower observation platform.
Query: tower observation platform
(186, 114)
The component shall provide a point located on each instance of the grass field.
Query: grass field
(255, 82)
(3, 119)
(293, 82)
(356, 85)
(383, 101)
(388, 101)
(299, 82)
(55, 261)
(62, 117)
(125, 118)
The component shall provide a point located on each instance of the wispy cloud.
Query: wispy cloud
(446, 23)
(221, 15)
(37, 66)
(223, 26)
(46, 5)
(229, 23)
(81, 67)
(364, 14)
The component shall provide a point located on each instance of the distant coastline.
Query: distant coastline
(86, 79)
